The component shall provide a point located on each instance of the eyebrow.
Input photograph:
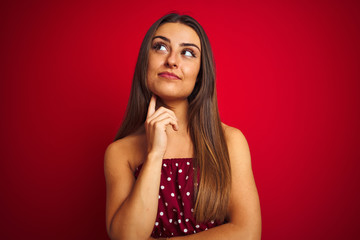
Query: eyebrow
(181, 44)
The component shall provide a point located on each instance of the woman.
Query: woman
(174, 170)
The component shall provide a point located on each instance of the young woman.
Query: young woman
(174, 170)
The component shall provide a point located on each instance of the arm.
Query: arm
(130, 203)
(244, 206)
(131, 206)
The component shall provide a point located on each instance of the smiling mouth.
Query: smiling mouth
(168, 75)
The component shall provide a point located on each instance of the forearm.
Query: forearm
(135, 218)
(227, 231)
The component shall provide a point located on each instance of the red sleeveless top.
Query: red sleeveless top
(176, 200)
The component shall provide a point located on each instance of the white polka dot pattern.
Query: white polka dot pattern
(176, 203)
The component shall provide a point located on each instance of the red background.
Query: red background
(288, 77)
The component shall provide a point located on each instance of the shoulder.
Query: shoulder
(128, 150)
(237, 144)
(231, 132)
(234, 137)
(125, 144)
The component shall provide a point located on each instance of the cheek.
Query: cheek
(153, 65)
(150, 64)
(150, 72)
(193, 70)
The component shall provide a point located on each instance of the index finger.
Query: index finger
(152, 104)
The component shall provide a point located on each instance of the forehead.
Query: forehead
(178, 33)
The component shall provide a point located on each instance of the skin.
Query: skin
(131, 206)
(170, 56)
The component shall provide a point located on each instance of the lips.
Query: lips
(168, 75)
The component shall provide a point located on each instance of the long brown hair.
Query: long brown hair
(211, 154)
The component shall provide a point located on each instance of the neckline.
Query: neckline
(177, 158)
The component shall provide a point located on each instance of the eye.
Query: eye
(159, 46)
(189, 53)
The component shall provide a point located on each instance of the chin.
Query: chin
(171, 96)
(171, 91)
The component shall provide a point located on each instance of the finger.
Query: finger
(152, 120)
(152, 105)
(169, 121)
(160, 111)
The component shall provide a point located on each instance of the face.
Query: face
(174, 61)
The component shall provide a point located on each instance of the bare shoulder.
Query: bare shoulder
(232, 132)
(236, 141)
(128, 150)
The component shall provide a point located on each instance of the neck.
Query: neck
(180, 108)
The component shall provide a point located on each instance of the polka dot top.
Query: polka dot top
(176, 200)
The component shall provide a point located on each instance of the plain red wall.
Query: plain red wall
(288, 77)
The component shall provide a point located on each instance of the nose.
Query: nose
(172, 61)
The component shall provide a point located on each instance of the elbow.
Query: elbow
(108, 230)
(113, 233)
(128, 237)
(118, 234)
